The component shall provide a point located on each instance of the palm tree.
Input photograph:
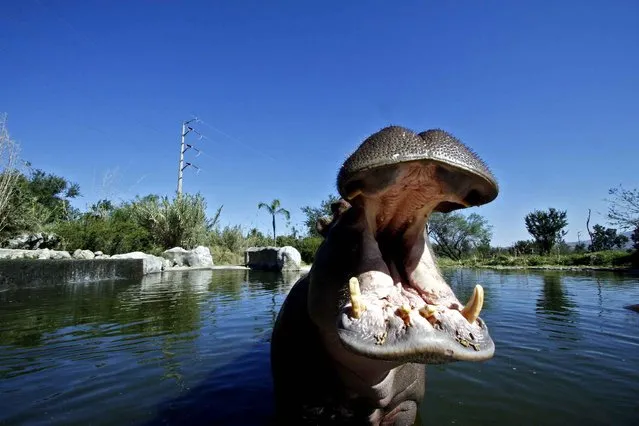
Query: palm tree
(275, 209)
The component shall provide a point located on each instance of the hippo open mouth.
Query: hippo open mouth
(398, 307)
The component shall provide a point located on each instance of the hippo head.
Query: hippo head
(375, 289)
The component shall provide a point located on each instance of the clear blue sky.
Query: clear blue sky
(546, 92)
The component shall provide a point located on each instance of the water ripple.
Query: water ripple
(192, 348)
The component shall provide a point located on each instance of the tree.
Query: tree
(456, 235)
(274, 209)
(624, 207)
(546, 227)
(313, 214)
(523, 247)
(8, 174)
(53, 193)
(606, 239)
(580, 247)
(39, 199)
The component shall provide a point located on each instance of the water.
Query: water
(193, 348)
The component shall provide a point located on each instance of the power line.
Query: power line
(236, 140)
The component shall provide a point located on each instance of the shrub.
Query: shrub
(180, 222)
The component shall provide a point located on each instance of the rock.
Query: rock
(31, 254)
(261, 258)
(38, 240)
(55, 254)
(151, 264)
(166, 264)
(199, 257)
(83, 254)
(288, 259)
(273, 258)
(7, 253)
(44, 254)
(98, 253)
(177, 255)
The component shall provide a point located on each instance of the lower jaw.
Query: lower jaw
(431, 350)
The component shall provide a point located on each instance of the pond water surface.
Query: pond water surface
(193, 348)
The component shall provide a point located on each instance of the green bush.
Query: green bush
(308, 247)
(223, 256)
(116, 233)
(180, 222)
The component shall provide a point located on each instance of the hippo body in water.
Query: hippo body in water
(353, 336)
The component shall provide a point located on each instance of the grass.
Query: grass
(617, 259)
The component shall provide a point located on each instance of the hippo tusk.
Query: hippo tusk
(473, 307)
(356, 297)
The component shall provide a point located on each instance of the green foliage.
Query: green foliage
(313, 214)
(274, 209)
(522, 247)
(112, 230)
(456, 235)
(580, 247)
(610, 258)
(606, 239)
(307, 246)
(546, 227)
(39, 199)
(180, 222)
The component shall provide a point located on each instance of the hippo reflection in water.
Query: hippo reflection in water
(352, 338)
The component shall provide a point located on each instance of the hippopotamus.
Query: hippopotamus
(353, 337)
(633, 307)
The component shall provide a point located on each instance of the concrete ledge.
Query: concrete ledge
(33, 272)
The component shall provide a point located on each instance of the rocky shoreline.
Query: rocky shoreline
(176, 259)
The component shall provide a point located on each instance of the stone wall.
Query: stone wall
(32, 272)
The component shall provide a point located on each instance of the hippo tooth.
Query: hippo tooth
(473, 307)
(404, 313)
(427, 311)
(356, 297)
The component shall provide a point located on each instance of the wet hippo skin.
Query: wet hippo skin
(353, 337)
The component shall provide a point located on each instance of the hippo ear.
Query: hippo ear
(324, 224)
(339, 207)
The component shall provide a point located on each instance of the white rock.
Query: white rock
(199, 257)
(98, 253)
(59, 254)
(273, 258)
(288, 259)
(166, 264)
(177, 255)
(83, 254)
(44, 254)
(151, 264)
